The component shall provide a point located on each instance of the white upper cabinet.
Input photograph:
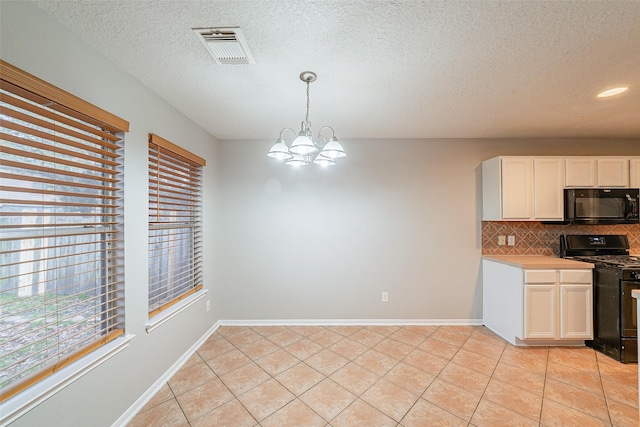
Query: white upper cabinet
(506, 188)
(516, 188)
(548, 179)
(613, 172)
(580, 172)
(596, 172)
(634, 173)
(523, 189)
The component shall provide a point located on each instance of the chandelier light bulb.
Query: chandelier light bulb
(333, 149)
(296, 160)
(280, 151)
(303, 144)
(324, 161)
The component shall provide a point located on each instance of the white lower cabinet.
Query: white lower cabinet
(540, 311)
(558, 304)
(576, 304)
(535, 306)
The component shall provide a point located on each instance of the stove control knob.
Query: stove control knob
(635, 275)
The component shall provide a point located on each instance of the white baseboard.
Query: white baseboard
(354, 322)
(160, 382)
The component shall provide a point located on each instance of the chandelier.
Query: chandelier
(304, 149)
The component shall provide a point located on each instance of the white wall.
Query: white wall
(38, 45)
(402, 216)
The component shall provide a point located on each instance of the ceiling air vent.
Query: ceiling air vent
(226, 45)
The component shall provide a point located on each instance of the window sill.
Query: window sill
(23, 402)
(172, 311)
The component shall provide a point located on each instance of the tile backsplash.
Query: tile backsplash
(535, 238)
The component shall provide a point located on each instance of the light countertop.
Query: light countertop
(538, 261)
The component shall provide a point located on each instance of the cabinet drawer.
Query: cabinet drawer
(539, 276)
(576, 276)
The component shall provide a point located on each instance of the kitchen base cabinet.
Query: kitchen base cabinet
(540, 311)
(538, 306)
(576, 305)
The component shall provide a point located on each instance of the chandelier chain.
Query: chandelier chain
(306, 117)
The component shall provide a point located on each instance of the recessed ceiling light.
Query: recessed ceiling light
(612, 92)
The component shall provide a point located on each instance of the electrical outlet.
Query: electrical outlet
(208, 304)
(511, 240)
(501, 241)
(385, 297)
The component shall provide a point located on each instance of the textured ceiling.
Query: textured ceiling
(386, 69)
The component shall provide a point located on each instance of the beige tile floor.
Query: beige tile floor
(390, 376)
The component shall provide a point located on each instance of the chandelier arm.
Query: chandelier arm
(333, 133)
(294, 133)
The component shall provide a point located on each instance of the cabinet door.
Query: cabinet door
(576, 316)
(548, 197)
(634, 173)
(516, 188)
(540, 311)
(580, 172)
(613, 172)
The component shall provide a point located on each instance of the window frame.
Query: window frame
(52, 107)
(174, 174)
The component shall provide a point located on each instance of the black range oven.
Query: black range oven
(615, 275)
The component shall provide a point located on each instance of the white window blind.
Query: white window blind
(61, 240)
(175, 237)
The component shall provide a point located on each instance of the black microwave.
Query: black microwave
(601, 205)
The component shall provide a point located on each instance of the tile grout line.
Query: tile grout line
(280, 347)
(380, 378)
(455, 385)
(485, 388)
(544, 384)
(235, 397)
(359, 397)
(438, 375)
(606, 400)
(582, 389)
(232, 393)
(434, 378)
(325, 377)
